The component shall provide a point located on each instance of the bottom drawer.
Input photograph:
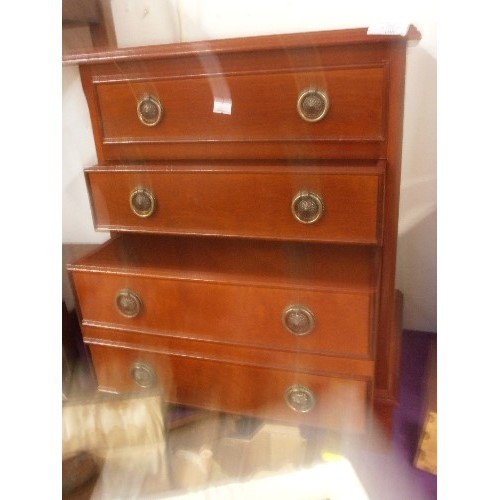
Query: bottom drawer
(283, 395)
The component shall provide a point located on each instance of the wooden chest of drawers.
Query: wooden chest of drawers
(251, 188)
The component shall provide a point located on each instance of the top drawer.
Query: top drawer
(158, 119)
(306, 104)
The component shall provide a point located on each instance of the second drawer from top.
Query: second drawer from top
(309, 203)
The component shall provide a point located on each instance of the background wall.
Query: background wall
(140, 22)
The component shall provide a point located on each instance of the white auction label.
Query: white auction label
(388, 28)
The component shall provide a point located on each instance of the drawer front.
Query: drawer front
(264, 115)
(300, 398)
(278, 318)
(295, 205)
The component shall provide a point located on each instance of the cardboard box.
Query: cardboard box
(426, 456)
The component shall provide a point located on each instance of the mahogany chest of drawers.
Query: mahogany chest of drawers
(251, 188)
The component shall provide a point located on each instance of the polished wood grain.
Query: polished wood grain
(387, 333)
(249, 201)
(356, 113)
(232, 314)
(233, 256)
(243, 314)
(314, 266)
(319, 39)
(263, 85)
(268, 356)
(235, 388)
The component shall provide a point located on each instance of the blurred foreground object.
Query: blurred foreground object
(79, 473)
(126, 434)
(335, 479)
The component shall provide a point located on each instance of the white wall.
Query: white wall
(140, 22)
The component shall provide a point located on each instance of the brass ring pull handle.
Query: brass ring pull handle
(312, 105)
(143, 374)
(149, 110)
(142, 202)
(300, 398)
(128, 303)
(307, 207)
(298, 320)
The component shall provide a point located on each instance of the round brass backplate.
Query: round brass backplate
(307, 207)
(143, 374)
(128, 303)
(299, 398)
(142, 202)
(312, 105)
(149, 110)
(298, 319)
